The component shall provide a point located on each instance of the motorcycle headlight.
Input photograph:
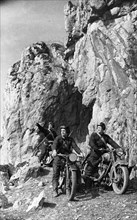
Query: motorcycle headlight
(72, 157)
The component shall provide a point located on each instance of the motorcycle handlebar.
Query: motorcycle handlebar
(67, 155)
(112, 150)
(119, 154)
(50, 142)
(63, 155)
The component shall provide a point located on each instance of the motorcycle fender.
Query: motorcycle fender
(73, 167)
(118, 163)
(111, 172)
(121, 163)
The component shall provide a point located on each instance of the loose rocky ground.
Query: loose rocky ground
(99, 204)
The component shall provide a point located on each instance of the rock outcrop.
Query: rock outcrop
(40, 89)
(92, 79)
(105, 64)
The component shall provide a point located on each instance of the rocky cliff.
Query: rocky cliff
(40, 88)
(92, 79)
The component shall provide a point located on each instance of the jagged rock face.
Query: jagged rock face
(105, 65)
(94, 82)
(88, 11)
(40, 89)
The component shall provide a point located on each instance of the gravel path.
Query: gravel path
(99, 204)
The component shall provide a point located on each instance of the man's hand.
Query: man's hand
(81, 154)
(54, 153)
(123, 151)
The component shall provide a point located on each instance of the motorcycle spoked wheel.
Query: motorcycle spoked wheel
(72, 184)
(101, 171)
(62, 182)
(120, 184)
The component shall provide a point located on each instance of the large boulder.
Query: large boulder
(6, 172)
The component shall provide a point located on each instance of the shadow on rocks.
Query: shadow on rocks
(133, 184)
(49, 204)
(90, 194)
(35, 172)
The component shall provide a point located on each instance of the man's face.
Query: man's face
(63, 133)
(100, 130)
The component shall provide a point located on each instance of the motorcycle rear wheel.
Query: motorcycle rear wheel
(119, 186)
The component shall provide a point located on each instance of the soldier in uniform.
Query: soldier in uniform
(98, 146)
(50, 134)
(63, 144)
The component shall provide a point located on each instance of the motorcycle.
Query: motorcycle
(68, 179)
(113, 171)
(48, 159)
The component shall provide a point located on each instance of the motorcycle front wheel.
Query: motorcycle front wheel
(73, 184)
(120, 182)
(62, 180)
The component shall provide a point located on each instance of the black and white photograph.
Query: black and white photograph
(68, 110)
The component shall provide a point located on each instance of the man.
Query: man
(50, 135)
(98, 146)
(62, 144)
(49, 132)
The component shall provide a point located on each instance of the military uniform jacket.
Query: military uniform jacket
(65, 145)
(97, 142)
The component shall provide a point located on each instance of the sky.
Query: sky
(22, 23)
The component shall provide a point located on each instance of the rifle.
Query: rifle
(37, 147)
(70, 133)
